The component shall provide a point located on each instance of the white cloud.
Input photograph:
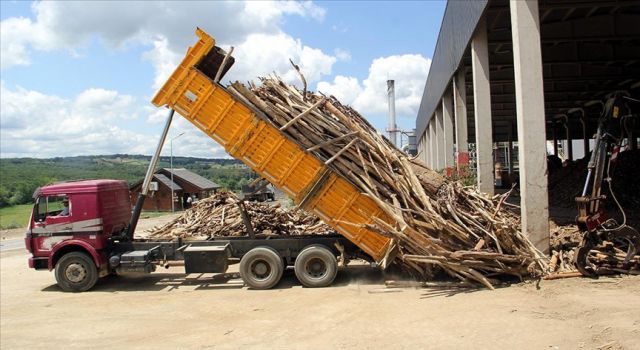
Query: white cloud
(38, 125)
(345, 89)
(99, 121)
(267, 10)
(164, 61)
(263, 54)
(342, 55)
(96, 121)
(13, 48)
(252, 26)
(370, 96)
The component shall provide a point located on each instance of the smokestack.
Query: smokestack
(391, 95)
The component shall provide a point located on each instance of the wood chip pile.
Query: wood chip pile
(438, 225)
(219, 216)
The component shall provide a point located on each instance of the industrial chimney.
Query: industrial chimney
(391, 95)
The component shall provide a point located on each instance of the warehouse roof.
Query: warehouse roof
(458, 24)
(589, 49)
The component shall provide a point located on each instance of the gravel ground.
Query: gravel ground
(170, 310)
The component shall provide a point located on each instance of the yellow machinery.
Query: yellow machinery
(248, 135)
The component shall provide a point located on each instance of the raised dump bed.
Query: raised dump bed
(248, 135)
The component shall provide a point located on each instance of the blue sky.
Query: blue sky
(77, 77)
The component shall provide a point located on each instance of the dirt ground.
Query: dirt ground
(203, 311)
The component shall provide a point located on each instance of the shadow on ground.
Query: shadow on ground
(169, 281)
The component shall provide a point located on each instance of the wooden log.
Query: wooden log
(340, 152)
(222, 65)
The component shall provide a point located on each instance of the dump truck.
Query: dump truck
(94, 235)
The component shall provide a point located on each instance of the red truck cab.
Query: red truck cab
(72, 238)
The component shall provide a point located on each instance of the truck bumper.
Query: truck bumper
(39, 263)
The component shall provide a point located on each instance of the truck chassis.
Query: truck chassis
(262, 259)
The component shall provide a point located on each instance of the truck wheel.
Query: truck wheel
(316, 266)
(261, 268)
(76, 272)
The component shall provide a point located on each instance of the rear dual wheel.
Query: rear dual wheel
(261, 268)
(316, 266)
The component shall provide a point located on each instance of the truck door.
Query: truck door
(52, 221)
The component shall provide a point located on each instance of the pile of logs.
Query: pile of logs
(438, 225)
(221, 216)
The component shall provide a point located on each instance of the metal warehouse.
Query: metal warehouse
(532, 73)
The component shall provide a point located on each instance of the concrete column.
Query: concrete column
(433, 149)
(425, 146)
(447, 119)
(510, 150)
(460, 112)
(440, 138)
(482, 107)
(420, 148)
(530, 114)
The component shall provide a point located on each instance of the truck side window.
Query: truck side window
(56, 205)
(52, 206)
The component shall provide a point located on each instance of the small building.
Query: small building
(185, 184)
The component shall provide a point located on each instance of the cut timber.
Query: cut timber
(220, 215)
(303, 114)
(365, 188)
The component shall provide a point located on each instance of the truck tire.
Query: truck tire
(316, 266)
(261, 268)
(76, 272)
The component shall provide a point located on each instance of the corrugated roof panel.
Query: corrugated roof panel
(167, 181)
(192, 178)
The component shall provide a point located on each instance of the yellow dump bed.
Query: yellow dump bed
(249, 136)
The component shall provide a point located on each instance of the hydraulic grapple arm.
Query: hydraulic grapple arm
(595, 226)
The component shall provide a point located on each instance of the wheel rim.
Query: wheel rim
(316, 268)
(260, 270)
(76, 273)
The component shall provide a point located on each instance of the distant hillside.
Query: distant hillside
(21, 176)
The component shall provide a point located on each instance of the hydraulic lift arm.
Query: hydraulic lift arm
(595, 226)
(135, 216)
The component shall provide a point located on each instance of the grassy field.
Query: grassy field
(15, 216)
